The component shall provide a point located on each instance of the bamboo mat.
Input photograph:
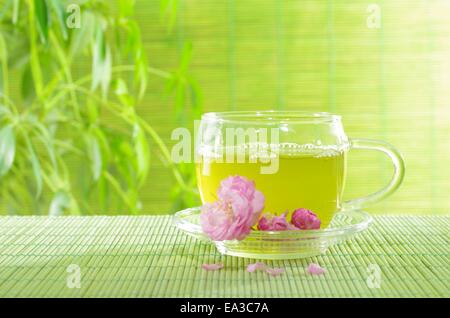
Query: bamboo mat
(145, 256)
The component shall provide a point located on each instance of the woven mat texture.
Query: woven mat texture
(146, 256)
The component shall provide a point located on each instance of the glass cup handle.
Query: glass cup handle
(397, 178)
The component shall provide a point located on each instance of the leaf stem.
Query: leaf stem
(34, 54)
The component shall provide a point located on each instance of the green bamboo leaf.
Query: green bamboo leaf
(3, 49)
(168, 9)
(94, 155)
(58, 8)
(196, 98)
(15, 15)
(186, 56)
(120, 87)
(134, 46)
(107, 71)
(121, 90)
(34, 49)
(104, 145)
(41, 12)
(28, 90)
(45, 137)
(103, 193)
(60, 202)
(101, 64)
(36, 167)
(141, 74)
(91, 110)
(21, 50)
(7, 149)
(82, 37)
(124, 158)
(180, 98)
(133, 36)
(142, 153)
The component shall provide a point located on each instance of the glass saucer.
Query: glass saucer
(280, 244)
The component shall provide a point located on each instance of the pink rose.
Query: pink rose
(270, 222)
(236, 211)
(305, 220)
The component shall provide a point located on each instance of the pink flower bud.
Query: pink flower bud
(305, 219)
(270, 222)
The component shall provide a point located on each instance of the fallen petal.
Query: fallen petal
(316, 269)
(275, 271)
(256, 266)
(212, 267)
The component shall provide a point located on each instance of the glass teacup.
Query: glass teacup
(296, 159)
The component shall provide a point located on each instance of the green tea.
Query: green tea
(314, 182)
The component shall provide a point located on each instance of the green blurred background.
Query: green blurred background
(390, 83)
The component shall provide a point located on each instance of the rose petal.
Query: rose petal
(255, 266)
(212, 267)
(275, 271)
(292, 227)
(316, 269)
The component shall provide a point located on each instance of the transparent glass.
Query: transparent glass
(297, 159)
(280, 244)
